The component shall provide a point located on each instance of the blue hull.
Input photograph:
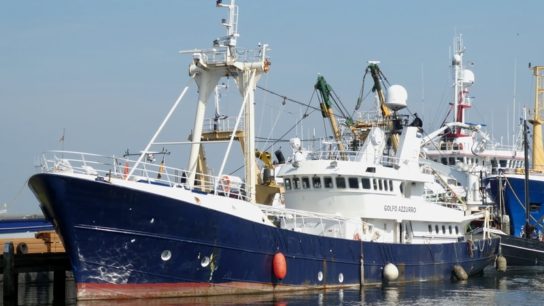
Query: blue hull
(520, 251)
(514, 198)
(128, 243)
(22, 225)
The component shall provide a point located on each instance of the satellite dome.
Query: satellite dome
(468, 77)
(396, 97)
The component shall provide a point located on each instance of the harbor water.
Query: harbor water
(517, 286)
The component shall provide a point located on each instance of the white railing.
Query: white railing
(311, 222)
(219, 55)
(106, 168)
(221, 125)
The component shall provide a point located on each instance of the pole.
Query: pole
(157, 133)
(526, 155)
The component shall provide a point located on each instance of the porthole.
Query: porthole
(166, 255)
(205, 261)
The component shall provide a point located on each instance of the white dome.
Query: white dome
(468, 77)
(396, 97)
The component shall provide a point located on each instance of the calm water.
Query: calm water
(521, 287)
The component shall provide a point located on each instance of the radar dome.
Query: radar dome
(468, 77)
(396, 97)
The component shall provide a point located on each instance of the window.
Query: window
(327, 181)
(443, 229)
(287, 183)
(390, 185)
(456, 230)
(380, 184)
(451, 232)
(340, 182)
(451, 161)
(353, 183)
(305, 183)
(316, 182)
(296, 183)
(444, 161)
(374, 184)
(430, 229)
(436, 228)
(366, 183)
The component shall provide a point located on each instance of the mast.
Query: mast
(463, 78)
(207, 68)
(538, 148)
(526, 185)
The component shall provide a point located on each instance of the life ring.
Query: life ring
(356, 236)
(125, 170)
(225, 182)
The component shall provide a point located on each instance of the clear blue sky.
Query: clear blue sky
(108, 71)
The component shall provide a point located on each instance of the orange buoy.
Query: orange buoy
(279, 266)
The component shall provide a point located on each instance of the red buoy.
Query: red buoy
(279, 265)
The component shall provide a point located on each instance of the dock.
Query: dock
(44, 253)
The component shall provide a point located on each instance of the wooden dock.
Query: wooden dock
(44, 253)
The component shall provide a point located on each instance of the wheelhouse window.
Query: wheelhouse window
(316, 182)
(287, 183)
(365, 182)
(327, 180)
(380, 184)
(305, 183)
(353, 183)
(296, 183)
(374, 184)
(390, 185)
(340, 182)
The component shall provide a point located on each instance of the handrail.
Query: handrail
(112, 167)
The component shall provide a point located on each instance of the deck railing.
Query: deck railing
(106, 168)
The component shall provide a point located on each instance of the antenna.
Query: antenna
(231, 25)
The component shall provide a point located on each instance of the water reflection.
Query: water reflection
(517, 286)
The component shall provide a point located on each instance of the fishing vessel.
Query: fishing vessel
(352, 215)
(462, 153)
(520, 194)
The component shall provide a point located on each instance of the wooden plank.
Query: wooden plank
(44, 242)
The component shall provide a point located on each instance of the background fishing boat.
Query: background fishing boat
(520, 194)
